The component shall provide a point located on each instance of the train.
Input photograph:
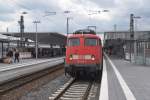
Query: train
(84, 53)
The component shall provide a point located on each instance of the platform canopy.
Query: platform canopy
(43, 37)
(3, 37)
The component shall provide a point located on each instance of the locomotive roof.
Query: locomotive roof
(83, 35)
(85, 31)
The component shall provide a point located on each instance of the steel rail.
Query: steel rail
(70, 91)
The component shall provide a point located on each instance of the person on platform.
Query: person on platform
(9, 56)
(16, 56)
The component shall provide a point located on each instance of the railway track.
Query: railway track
(76, 90)
(14, 89)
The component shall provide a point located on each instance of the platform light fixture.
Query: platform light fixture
(36, 38)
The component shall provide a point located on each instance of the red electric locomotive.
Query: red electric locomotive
(83, 53)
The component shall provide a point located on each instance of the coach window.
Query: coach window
(74, 42)
(90, 42)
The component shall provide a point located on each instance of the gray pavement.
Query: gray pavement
(136, 77)
(114, 89)
(16, 70)
(21, 62)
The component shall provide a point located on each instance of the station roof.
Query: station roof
(51, 38)
(3, 38)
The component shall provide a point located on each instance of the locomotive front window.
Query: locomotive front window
(74, 42)
(90, 42)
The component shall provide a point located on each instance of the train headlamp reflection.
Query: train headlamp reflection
(93, 57)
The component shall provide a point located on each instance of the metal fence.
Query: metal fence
(138, 51)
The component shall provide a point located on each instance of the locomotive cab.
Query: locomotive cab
(83, 53)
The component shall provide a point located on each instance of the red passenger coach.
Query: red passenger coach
(83, 53)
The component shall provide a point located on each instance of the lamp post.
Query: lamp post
(36, 38)
(67, 23)
(21, 23)
(133, 35)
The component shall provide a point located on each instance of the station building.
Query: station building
(136, 50)
(49, 44)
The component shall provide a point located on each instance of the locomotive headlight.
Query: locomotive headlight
(93, 57)
(70, 57)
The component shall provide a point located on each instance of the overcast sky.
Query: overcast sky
(119, 14)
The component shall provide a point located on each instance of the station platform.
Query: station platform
(25, 67)
(22, 61)
(122, 80)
